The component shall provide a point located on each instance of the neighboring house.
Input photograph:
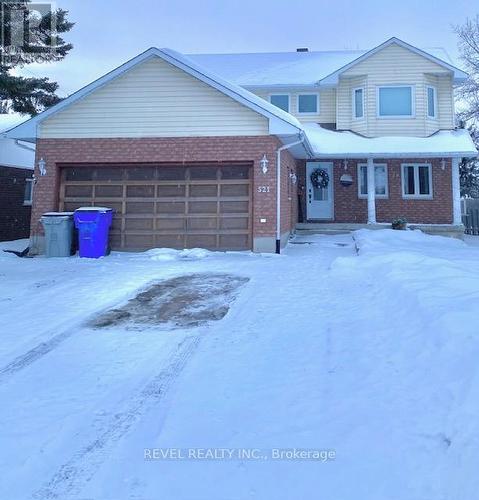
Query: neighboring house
(16, 183)
(186, 149)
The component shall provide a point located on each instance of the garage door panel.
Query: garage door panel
(167, 206)
(170, 240)
(109, 191)
(204, 190)
(171, 191)
(140, 191)
(202, 223)
(79, 191)
(142, 224)
(234, 207)
(139, 241)
(201, 240)
(202, 207)
(234, 223)
(140, 207)
(178, 224)
(234, 190)
(171, 207)
(234, 241)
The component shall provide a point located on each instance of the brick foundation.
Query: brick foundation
(176, 150)
(348, 207)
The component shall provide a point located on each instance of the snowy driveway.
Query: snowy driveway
(373, 357)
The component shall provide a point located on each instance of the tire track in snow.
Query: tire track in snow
(69, 480)
(35, 354)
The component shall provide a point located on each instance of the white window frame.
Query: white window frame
(378, 196)
(32, 182)
(353, 103)
(396, 117)
(318, 103)
(416, 196)
(434, 89)
(281, 93)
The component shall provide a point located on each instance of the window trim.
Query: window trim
(353, 99)
(434, 89)
(378, 196)
(318, 103)
(29, 180)
(416, 196)
(396, 117)
(282, 94)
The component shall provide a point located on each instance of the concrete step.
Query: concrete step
(303, 232)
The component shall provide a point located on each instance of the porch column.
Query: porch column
(456, 193)
(371, 192)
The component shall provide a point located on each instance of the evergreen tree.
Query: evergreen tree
(41, 41)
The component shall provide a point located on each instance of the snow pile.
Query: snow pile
(436, 293)
(166, 254)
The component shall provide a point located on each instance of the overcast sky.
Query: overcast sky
(107, 33)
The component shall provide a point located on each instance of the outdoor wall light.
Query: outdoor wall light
(294, 178)
(264, 164)
(42, 166)
(443, 164)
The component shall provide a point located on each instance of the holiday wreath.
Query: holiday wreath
(320, 178)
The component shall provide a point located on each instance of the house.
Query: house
(16, 183)
(230, 151)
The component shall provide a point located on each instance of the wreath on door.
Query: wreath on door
(320, 178)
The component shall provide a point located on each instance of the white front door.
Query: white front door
(319, 201)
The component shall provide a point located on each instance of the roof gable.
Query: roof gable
(287, 123)
(332, 79)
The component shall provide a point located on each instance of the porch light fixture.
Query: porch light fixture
(345, 164)
(264, 164)
(42, 166)
(294, 178)
(443, 164)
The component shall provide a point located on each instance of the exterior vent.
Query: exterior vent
(302, 49)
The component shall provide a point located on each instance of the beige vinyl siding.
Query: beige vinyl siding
(327, 103)
(396, 65)
(154, 99)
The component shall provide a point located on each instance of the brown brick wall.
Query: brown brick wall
(348, 207)
(14, 215)
(174, 150)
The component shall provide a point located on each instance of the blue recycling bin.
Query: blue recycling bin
(93, 224)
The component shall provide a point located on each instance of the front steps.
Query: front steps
(305, 228)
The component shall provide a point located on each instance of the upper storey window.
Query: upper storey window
(431, 102)
(358, 102)
(280, 100)
(395, 101)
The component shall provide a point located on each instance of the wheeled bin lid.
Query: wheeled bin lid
(57, 214)
(93, 209)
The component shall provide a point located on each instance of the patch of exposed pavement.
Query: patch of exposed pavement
(183, 302)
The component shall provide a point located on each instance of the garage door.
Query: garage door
(206, 206)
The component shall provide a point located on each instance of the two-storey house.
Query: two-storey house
(231, 151)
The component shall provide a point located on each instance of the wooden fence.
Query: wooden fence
(470, 216)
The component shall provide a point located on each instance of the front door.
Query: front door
(319, 200)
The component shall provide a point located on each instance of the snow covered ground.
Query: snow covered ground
(365, 349)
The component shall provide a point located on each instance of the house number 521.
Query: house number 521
(263, 189)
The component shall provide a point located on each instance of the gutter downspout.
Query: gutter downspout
(278, 188)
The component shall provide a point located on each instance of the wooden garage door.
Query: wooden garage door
(206, 206)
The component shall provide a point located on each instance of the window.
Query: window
(416, 180)
(395, 101)
(431, 102)
(380, 177)
(280, 100)
(308, 103)
(28, 196)
(358, 103)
